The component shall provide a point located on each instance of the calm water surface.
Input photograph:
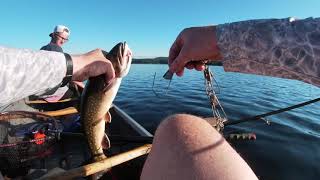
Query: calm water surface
(288, 148)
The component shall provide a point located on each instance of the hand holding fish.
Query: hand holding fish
(191, 48)
(92, 64)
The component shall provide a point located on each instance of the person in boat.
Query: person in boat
(185, 146)
(59, 37)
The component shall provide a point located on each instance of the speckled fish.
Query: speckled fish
(98, 96)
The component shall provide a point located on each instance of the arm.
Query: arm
(275, 47)
(26, 72)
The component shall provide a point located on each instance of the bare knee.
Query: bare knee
(183, 124)
(179, 121)
(185, 131)
(180, 144)
(187, 147)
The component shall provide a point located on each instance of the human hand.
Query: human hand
(192, 49)
(93, 64)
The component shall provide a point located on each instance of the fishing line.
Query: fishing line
(167, 76)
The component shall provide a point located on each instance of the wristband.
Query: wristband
(69, 73)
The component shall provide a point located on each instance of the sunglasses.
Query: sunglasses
(65, 39)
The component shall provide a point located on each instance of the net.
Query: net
(25, 137)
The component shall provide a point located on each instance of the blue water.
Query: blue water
(288, 148)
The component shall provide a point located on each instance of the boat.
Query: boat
(68, 153)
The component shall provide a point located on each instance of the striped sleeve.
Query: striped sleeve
(284, 48)
(25, 72)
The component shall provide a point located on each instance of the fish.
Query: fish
(97, 98)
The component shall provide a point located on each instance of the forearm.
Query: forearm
(25, 72)
(275, 47)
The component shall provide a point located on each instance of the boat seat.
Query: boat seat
(61, 112)
(59, 108)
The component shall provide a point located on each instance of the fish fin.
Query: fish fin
(107, 117)
(106, 144)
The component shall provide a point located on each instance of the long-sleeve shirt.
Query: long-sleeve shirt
(25, 72)
(59, 92)
(284, 48)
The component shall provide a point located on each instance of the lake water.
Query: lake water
(288, 148)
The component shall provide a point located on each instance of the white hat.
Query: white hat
(60, 29)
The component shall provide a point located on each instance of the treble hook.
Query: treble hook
(168, 75)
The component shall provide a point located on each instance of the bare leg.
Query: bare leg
(187, 147)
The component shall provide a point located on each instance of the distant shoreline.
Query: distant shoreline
(161, 60)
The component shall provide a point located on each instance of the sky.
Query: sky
(148, 26)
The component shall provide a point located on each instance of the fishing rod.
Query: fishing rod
(261, 116)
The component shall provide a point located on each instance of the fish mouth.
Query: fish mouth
(121, 57)
(126, 59)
